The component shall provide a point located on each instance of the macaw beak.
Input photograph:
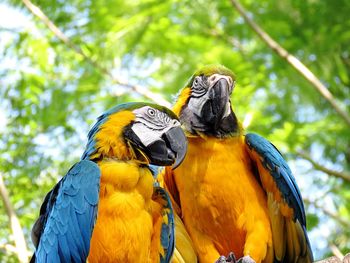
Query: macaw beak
(170, 149)
(165, 149)
(217, 105)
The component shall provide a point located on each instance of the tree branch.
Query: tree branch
(293, 61)
(36, 11)
(330, 260)
(336, 251)
(11, 249)
(328, 213)
(343, 175)
(226, 39)
(346, 259)
(8, 249)
(21, 246)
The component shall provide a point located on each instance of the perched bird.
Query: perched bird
(106, 208)
(234, 191)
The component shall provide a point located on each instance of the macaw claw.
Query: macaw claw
(230, 258)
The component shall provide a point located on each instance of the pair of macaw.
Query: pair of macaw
(232, 195)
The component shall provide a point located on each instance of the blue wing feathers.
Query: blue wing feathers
(279, 169)
(64, 249)
(70, 216)
(273, 161)
(167, 238)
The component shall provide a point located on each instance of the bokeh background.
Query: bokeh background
(62, 63)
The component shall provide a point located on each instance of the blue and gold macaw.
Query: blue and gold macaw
(234, 191)
(106, 208)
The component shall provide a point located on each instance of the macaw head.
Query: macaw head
(144, 132)
(204, 106)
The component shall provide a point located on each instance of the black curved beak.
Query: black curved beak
(177, 141)
(170, 149)
(215, 107)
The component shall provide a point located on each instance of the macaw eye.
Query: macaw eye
(151, 112)
(195, 81)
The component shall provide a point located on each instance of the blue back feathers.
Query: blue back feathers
(69, 219)
(273, 161)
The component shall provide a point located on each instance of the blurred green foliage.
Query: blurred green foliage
(50, 95)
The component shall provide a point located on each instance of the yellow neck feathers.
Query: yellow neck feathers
(181, 100)
(110, 142)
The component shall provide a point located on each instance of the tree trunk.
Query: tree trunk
(336, 260)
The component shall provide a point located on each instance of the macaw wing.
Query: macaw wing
(285, 204)
(68, 214)
(166, 180)
(167, 235)
(184, 251)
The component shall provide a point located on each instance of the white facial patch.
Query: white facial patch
(146, 135)
(150, 124)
